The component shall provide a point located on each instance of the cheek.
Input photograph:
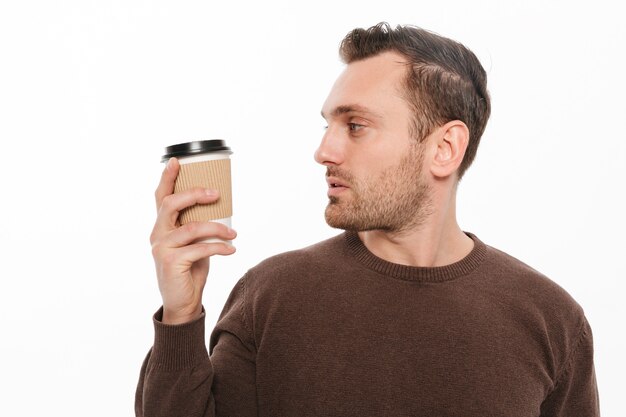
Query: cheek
(377, 159)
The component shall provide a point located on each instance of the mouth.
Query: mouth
(336, 186)
(334, 182)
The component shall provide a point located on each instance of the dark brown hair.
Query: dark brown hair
(446, 81)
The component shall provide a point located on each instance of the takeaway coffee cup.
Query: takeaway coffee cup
(204, 164)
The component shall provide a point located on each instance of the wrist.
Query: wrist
(178, 347)
(173, 317)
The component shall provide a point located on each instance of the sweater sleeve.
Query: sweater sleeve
(575, 392)
(233, 354)
(178, 378)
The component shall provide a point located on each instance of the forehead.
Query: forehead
(374, 83)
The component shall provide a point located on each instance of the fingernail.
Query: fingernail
(169, 164)
(210, 192)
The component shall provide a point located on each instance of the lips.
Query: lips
(334, 182)
(336, 186)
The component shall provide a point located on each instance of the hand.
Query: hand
(181, 265)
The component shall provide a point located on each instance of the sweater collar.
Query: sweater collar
(416, 273)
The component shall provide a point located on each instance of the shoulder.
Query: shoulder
(527, 283)
(540, 304)
(289, 267)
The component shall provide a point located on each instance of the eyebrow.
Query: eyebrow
(339, 110)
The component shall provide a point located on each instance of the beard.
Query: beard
(396, 200)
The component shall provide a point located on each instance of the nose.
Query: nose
(330, 151)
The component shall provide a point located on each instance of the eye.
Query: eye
(354, 127)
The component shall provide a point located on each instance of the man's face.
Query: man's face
(374, 167)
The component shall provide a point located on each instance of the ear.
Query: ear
(451, 142)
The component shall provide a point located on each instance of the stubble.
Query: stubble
(396, 200)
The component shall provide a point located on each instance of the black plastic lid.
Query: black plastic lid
(195, 148)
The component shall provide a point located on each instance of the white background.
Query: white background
(92, 91)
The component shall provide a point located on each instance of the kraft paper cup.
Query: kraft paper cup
(204, 164)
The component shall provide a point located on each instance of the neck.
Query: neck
(437, 241)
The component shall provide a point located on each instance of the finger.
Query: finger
(193, 253)
(168, 179)
(194, 231)
(172, 205)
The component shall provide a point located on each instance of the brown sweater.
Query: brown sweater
(332, 330)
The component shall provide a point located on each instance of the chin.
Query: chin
(334, 219)
(340, 221)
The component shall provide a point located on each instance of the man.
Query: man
(403, 314)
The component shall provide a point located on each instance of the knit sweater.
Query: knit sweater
(333, 330)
